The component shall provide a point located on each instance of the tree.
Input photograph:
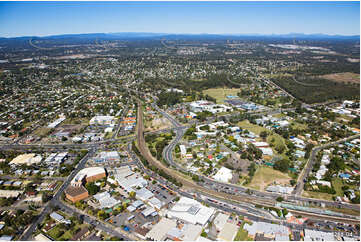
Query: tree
(92, 188)
(132, 194)
(45, 197)
(281, 165)
(263, 134)
(279, 199)
(280, 148)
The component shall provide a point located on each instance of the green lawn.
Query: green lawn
(242, 234)
(297, 125)
(265, 176)
(245, 124)
(220, 94)
(337, 184)
(278, 140)
(317, 195)
(67, 235)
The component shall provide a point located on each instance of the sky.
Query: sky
(52, 18)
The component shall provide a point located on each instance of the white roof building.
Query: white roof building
(106, 200)
(228, 233)
(87, 172)
(156, 203)
(144, 194)
(56, 123)
(315, 235)
(160, 230)
(191, 211)
(224, 174)
(268, 229)
(105, 120)
(280, 189)
(183, 150)
(220, 220)
(267, 151)
(28, 159)
(41, 237)
(10, 193)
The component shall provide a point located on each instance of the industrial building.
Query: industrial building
(76, 193)
(191, 211)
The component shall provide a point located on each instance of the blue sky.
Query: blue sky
(50, 18)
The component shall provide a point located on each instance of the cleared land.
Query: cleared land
(265, 176)
(157, 124)
(343, 77)
(220, 94)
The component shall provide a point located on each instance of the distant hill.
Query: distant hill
(143, 35)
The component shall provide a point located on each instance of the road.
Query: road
(306, 171)
(239, 190)
(94, 221)
(48, 207)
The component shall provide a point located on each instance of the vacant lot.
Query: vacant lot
(254, 128)
(157, 124)
(265, 176)
(347, 77)
(220, 94)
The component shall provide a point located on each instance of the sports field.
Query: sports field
(220, 94)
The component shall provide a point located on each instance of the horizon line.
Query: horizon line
(168, 33)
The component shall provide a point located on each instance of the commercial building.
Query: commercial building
(220, 220)
(10, 193)
(267, 229)
(315, 235)
(160, 230)
(128, 180)
(228, 233)
(41, 237)
(56, 123)
(76, 193)
(105, 200)
(280, 189)
(27, 159)
(102, 120)
(223, 175)
(191, 211)
(89, 174)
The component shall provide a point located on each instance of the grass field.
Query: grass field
(245, 124)
(221, 94)
(83, 121)
(42, 131)
(242, 235)
(300, 126)
(68, 234)
(337, 184)
(265, 176)
(317, 195)
(343, 77)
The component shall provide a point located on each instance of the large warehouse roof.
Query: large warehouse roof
(191, 211)
(90, 171)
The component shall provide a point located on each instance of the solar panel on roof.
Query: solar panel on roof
(193, 210)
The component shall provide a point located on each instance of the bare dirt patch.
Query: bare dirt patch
(158, 123)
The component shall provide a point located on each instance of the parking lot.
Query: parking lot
(161, 193)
